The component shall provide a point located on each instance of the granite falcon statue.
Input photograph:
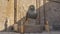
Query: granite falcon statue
(31, 12)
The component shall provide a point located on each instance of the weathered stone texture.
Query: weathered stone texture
(52, 10)
(6, 11)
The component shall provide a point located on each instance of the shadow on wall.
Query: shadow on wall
(52, 15)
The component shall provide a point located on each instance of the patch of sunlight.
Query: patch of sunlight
(1, 28)
(42, 2)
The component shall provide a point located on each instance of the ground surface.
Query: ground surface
(55, 32)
